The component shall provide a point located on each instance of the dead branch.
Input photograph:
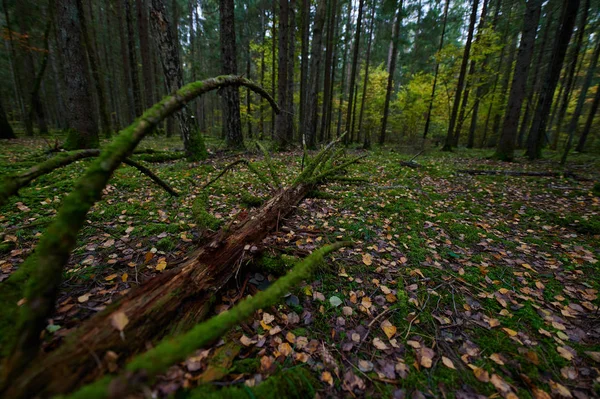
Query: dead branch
(566, 174)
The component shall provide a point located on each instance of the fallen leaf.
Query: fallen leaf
(510, 332)
(327, 378)
(367, 260)
(119, 320)
(480, 373)
(161, 265)
(501, 385)
(83, 298)
(425, 356)
(448, 363)
(379, 344)
(388, 328)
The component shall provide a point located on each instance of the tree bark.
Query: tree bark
(304, 47)
(436, 72)
(6, 131)
(231, 95)
(310, 126)
(281, 121)
(588, 123)
(192, 142)
(354, 66)
(461, 78)
(127, 85)
(327, 84)
(537, 133)
(367, 136)
(291, 63)
(133, 63)
(146, 53)
(80, 110)
(506, 144)
(573, 124)
(391, 70)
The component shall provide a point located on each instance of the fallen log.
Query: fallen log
(41, 274)
(566, 174)
(167, 304)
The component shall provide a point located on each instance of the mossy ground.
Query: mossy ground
(457, 252)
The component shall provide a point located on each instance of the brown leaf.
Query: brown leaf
(425, 356)
(327, 378)
(367, 260)
(119, 320)
(448, 363)
(388, 328)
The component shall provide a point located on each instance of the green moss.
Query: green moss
(77, 141)
(246, 366)
(197, 147)
(250, 200)
(292, 383)
(166, 244)
(6, 247)
(204, 219)
(276, 265)
(596, 190)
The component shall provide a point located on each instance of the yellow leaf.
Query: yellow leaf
(83, 298)
(510, 332)
(119, 320)
(367, 260)
(161, 265)
(111, 277)
(124, 277)
(388, 329)
(481, 374)
(426, 357)
(448, 363)
(327, 378)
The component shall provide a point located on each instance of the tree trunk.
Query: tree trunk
(94, 68)
(436, 72)
(133, 63)
(146, 53)
(588, 123)
(327, 84)
(192, 142)
(290, 71)
(127, 86)
(310, 126)
(573, 124)
(232, 125)
(80, 110)
(304, 47)
(343, 70)
(565, 99)
(537, 133)
(461, 78)
(6, 131)
(367, 136)
(281, 121)
(391, 70)
(354, 66)
(506, 144)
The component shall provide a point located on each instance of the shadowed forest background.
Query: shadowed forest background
(300, 198)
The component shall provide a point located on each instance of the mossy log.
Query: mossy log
(12, 184)
(42, 273)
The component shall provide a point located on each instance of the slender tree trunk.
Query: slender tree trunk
(344, 67)
(573, 124)
(461, 78)
(315, 68)
(146, 53)
(192, 142)
(436, 72)
(262, 77)
(94, 68)
(36, 104)
(127, 85)
(248, 98)
(6, 131)
(588, 123)
(78, 101)
(273, 71)
(354, 66)
(304, 48)
(132, 53)
(336, 45)
(537, 133)
(281, 120)
(367, 136)
(327, 84)
(506, 144)
(391, 71)
(231, 95)
(290, 71)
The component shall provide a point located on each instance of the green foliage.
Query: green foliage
(250, 200)
(203, 218)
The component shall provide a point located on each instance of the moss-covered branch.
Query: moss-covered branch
(173, 350)
(12, 184)
(43, 272)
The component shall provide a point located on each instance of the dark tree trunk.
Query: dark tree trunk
(310, 126)
(391, 70)
(506, 144)
(232, 125)
(78, 101)
(6, 131)
(273, 73)
(343, 70)
(132, 53)
(173, 74)
(573, 124)
(436, 72)
(94, 68)
(290, 70)
(304, 47)
(327, 84)
(461, 78)
(588, 123)
(354, 66)
(127, 86)
(567, 88)
(367, 136)
(145, 53)
(537, 133)
(281, 121)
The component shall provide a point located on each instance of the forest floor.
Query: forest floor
(457, 286)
